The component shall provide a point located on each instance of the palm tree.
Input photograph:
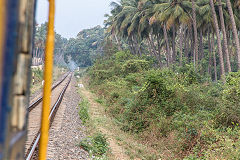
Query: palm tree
(210, 51)
(167, 44)
(166, 25)
(181, 37)
(234, 28)
(170, 14)
(214, 57)
(225, 43)
(218, 40)
(110, 31)
(126, 23)
(194, 19)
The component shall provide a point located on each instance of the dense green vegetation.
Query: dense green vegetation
(170, 75)
(39, 46)
(96, 145)
(83, 111)
(201, 116)
(38, 76)
(86, 46)
(82, 50)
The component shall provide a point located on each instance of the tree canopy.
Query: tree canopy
(84, 48)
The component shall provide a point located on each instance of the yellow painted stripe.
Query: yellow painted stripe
(47, 82)
(2, 32)
(2, 37)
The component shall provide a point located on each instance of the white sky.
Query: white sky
(74, 15)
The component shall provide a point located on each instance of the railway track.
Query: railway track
(36, 102)
(58, 92)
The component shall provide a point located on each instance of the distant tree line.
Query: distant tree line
(82, 49)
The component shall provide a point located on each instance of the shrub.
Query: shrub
(189, 74)
(83, 111)
(159, 91)
(226, 148)
(122, 56)
(135, 65)
(177, 100)
(230, 110)
(96, 145)
(38, 74)
(134, 79)
(100, 75)
(232, 88)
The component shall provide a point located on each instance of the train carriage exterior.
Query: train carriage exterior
(16, 39)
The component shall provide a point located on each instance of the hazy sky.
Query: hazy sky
(74, 15)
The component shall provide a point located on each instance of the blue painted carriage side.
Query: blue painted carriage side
(8, 63)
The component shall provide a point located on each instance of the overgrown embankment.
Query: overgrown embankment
(100, 142)
(176, 111)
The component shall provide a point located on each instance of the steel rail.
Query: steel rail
(39, 100)
(51, 117)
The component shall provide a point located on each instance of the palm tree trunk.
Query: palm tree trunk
(201, 51)
(234, 28)
(210, 53)
(167, 44)
(42, 55)
(182, 31)
(136, 46)
(131, 46)
(229, 45)
(150, 47)
(33, 55)
(218, 41)
(38, 52)
(192, 48)
(174, 45)
(152, 44)
(159, 49)
(195, 32)
(159, 44)
(214, 58)
(118, 42)
(37, 56)
(225, 43)
(186, 50)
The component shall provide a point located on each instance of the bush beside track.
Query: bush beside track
(179, 111)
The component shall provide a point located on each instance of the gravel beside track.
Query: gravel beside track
(35, 116)
(67, 130)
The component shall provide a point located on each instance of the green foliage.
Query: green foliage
(122, 56)
(133, 66)
(96, 145)
(146, 100)
(39, 45)
(232, 90)
(38, 75)
(84, 48)
(230, 111)
(189, 74)
(83, 111)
